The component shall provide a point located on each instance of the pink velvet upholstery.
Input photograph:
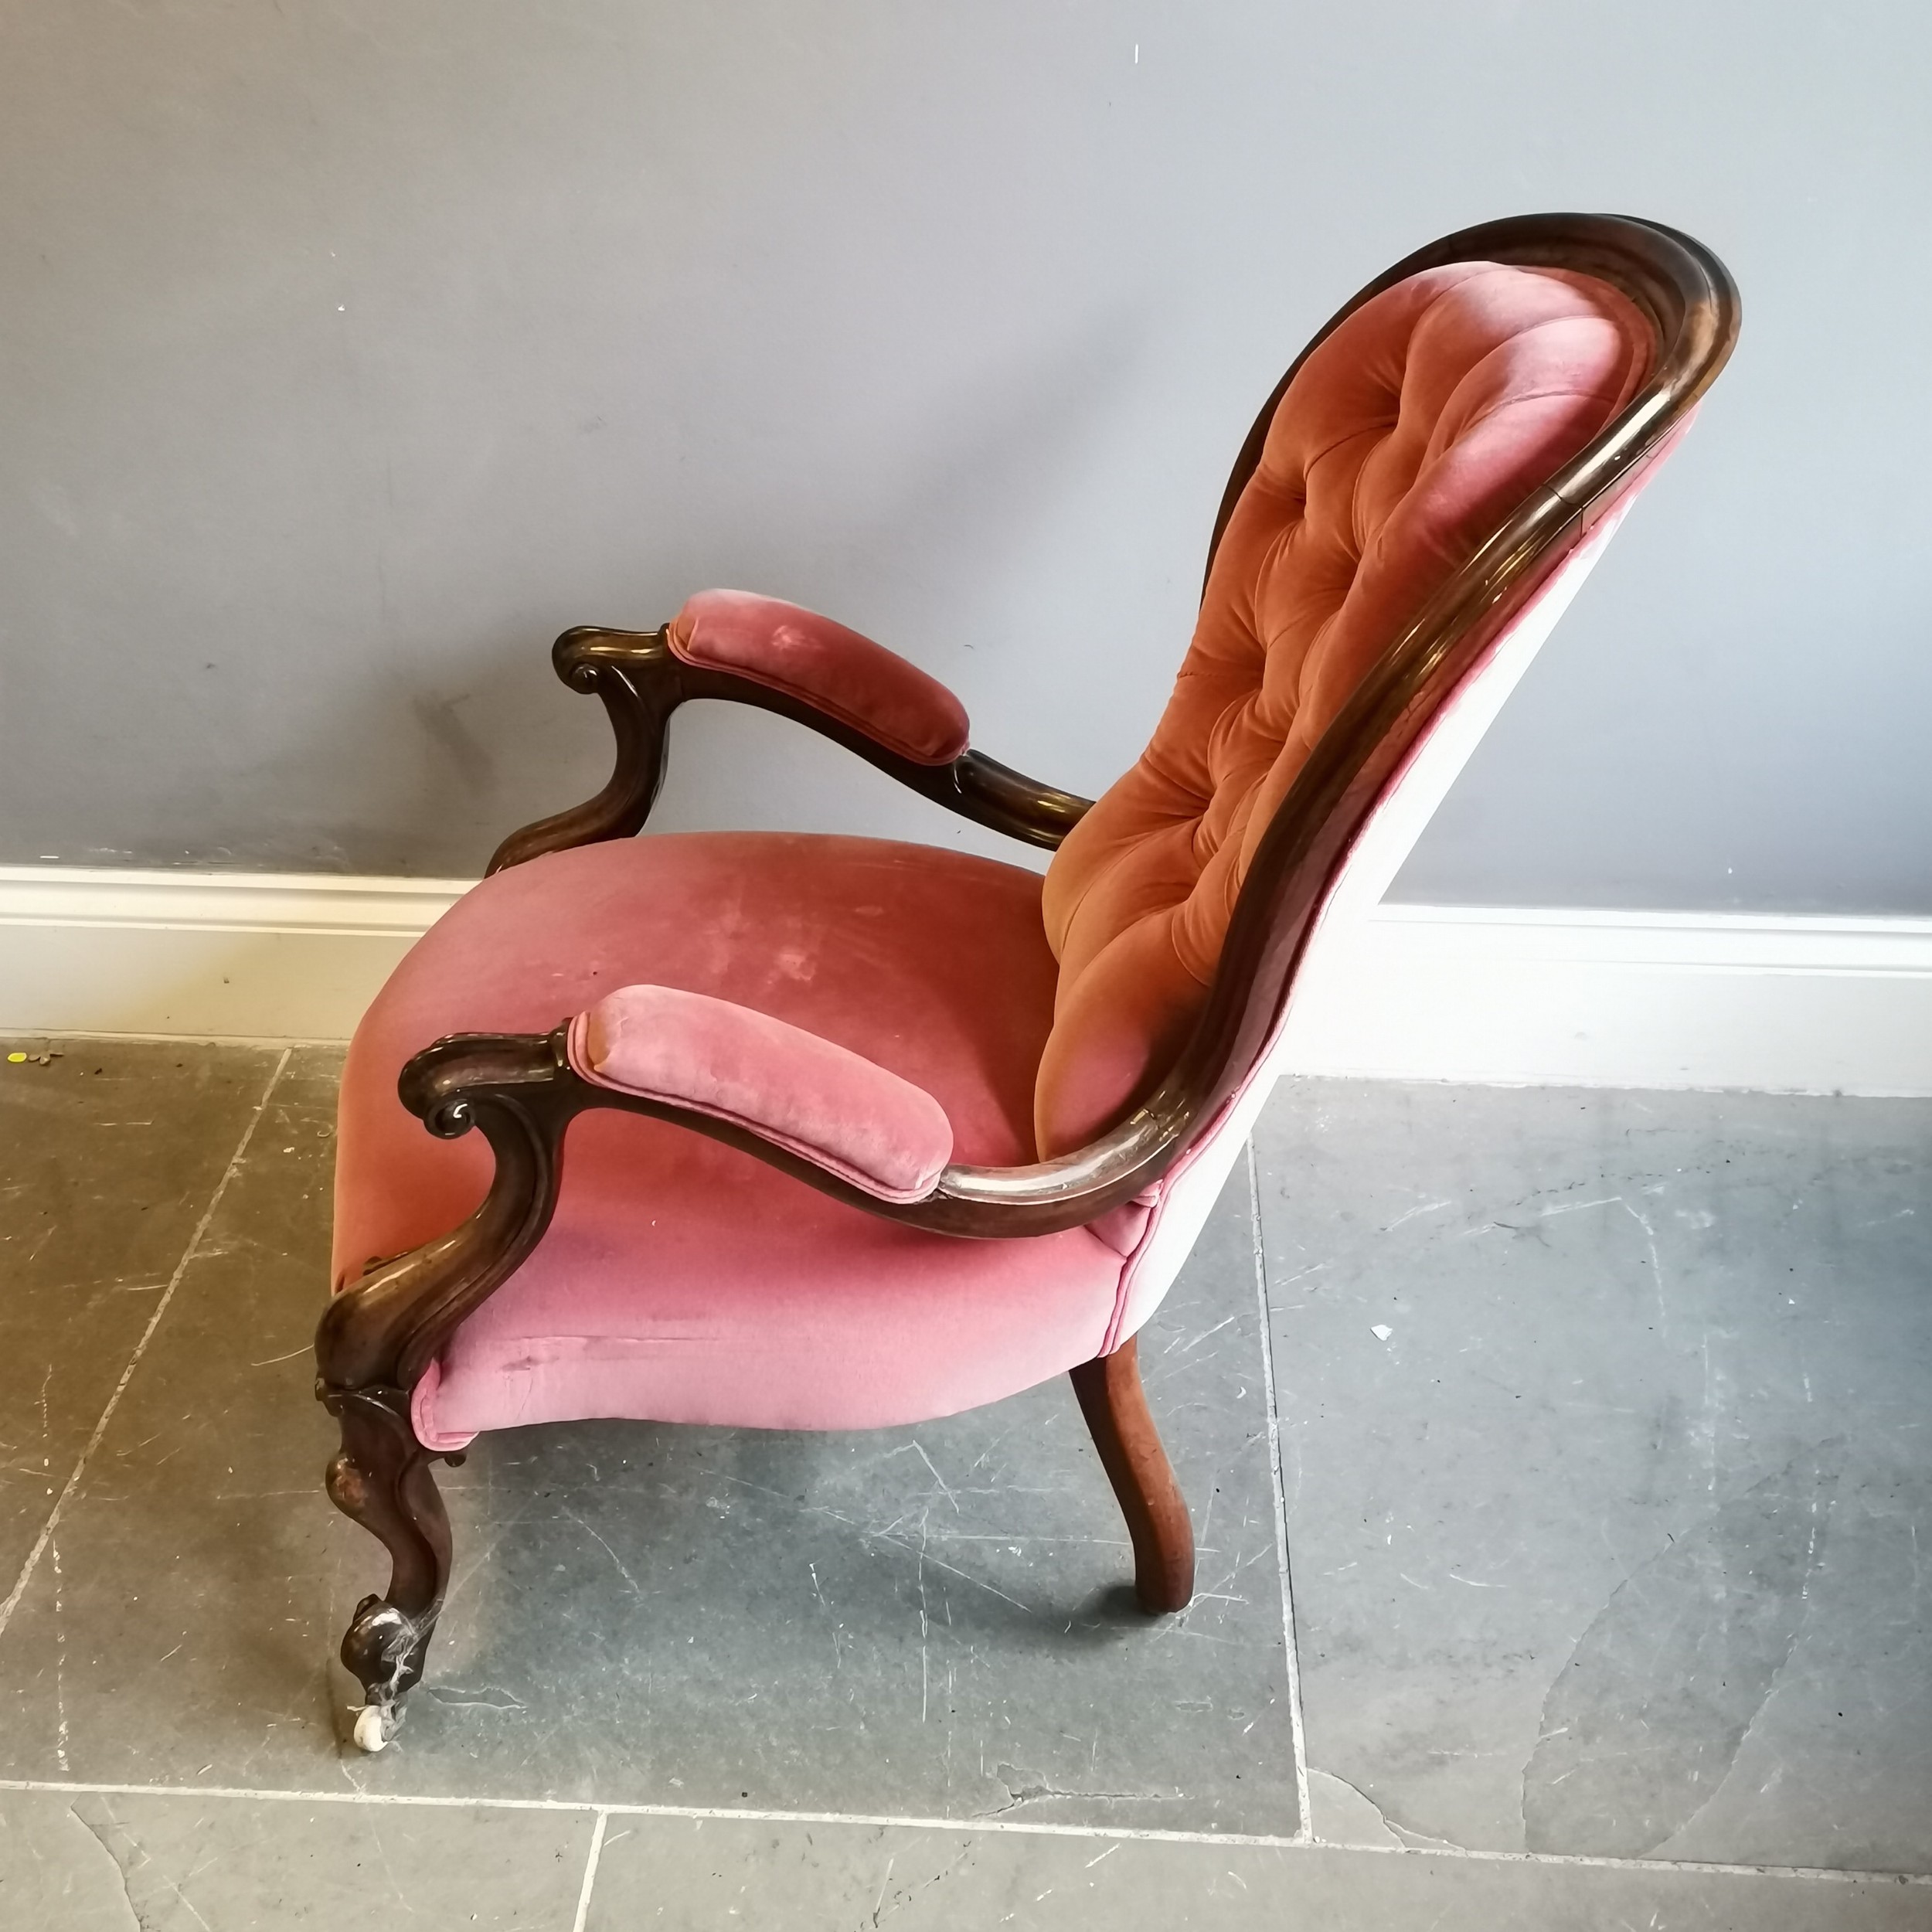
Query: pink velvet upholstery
(806, 1094)
(1421, 423)
(684, 1281)
(795, 650)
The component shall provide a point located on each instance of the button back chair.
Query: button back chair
(777, 1132)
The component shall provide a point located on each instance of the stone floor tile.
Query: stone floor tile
(692, 1872)
(109, 1155)
(169, 1576)
(932, 1620)
(90, 1862)
(1605, 1433)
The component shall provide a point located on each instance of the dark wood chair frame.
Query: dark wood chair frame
(381, 1332)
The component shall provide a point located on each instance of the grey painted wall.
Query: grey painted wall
(353, 348)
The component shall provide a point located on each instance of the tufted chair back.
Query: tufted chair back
(1406, 437)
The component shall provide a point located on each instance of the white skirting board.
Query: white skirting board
(1511, 995)
(1524, 996)
(198, 955)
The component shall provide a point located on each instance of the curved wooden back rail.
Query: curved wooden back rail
(1690, 299)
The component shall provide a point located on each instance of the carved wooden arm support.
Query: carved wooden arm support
(380, 1333)
(885, 712)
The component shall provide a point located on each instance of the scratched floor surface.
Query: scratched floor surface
(1604, 1476)
(1619, 1543)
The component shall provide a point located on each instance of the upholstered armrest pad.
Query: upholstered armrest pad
(860, 683)
(828, 1105)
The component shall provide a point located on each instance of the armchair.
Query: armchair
(777, 1132)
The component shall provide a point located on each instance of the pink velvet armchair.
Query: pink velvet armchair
(775, 1131)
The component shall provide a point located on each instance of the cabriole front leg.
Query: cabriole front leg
(382, 1480)
(378, 1336)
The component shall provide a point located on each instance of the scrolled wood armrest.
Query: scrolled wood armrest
(876, 704)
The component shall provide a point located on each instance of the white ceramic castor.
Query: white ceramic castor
(374, 1728)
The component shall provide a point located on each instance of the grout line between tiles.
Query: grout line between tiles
(1297, 1737)
(591, 1872)
(141, 1348)
(748, 1814)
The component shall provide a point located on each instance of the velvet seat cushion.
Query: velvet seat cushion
(683, 1280)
